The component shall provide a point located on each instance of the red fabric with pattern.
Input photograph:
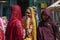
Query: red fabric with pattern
(15, 28)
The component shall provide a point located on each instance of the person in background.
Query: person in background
(5, 22)
(47, 28)
(1, 29)
(15, 28)
(30, 24)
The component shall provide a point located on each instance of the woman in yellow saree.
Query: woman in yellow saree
(30, 24)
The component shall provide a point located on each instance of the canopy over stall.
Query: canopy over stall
(55, 6)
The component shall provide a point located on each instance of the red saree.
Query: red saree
(15, 28)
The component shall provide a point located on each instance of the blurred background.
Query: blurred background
(40, 5)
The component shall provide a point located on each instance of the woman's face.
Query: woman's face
(45, 17)
(28, 13)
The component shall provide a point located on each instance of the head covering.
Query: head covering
(51, 20)
(15, 12)
(48, 12)
(34, 23)
(37, 18)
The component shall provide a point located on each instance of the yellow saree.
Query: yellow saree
(27, 38)
(32, 24)
(33, 36)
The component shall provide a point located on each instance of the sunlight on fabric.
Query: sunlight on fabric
(56, 4)
(3, 1)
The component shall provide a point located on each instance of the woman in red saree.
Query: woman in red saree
(15, 29)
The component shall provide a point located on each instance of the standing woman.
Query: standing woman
(47, 28)
(30, 24)
(1, 29)
(15, 29)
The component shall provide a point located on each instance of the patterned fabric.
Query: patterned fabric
(31, 24)
(44, 30)
(15, 28)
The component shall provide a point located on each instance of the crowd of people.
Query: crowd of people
(28, 28)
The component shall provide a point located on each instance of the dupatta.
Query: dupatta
(34, 24)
